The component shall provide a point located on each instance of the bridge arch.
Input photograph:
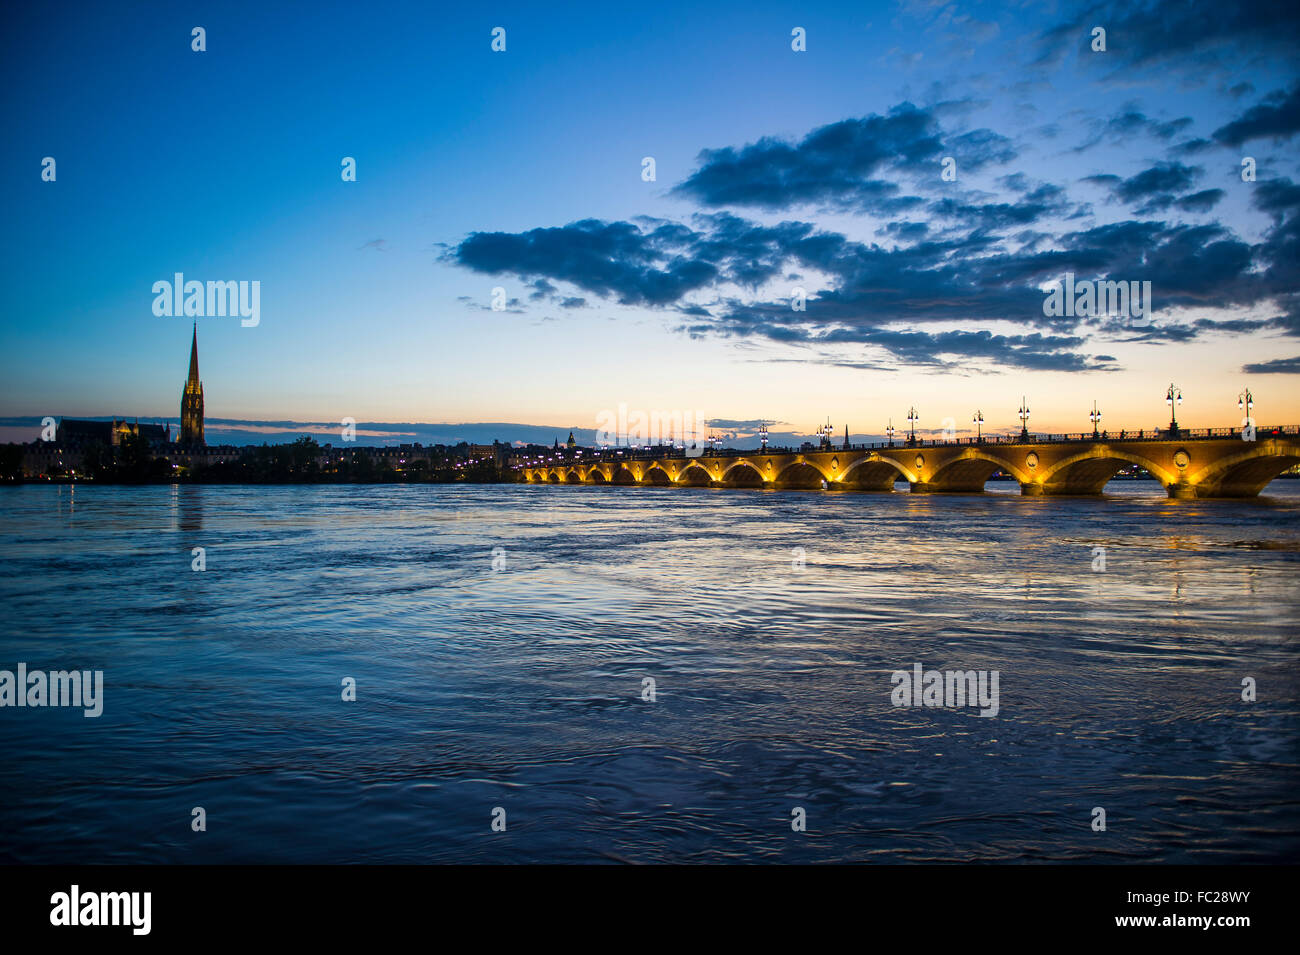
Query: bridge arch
(694, 475)
(874, 473)
(1247, 473)
(623, 475)
(1088, 471)
(657, 476)
(968, 472)
(801, 475)
(596, 476)
(743, 473)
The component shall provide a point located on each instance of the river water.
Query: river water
(501, 637)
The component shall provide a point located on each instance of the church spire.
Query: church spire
(192, 399)
(194, 356)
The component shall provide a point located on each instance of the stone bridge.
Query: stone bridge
(1214, 464)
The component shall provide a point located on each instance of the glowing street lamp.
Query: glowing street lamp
(1246, 401)
(826, 431)
(1173, 398)
(979, 424)
(1024, 417)
(1094, 416)
(889, 432)
(762, 437)
(912, 419)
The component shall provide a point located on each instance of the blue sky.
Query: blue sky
(774, 168)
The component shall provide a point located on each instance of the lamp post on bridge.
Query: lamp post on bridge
(1095, 417)
(912, 419)
(979, 424)
(889, 432)
(1246, 401)
(825, 431)
(1024, 419)
(762, 438)
(1173, 398)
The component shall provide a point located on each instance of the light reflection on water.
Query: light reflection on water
(522, 688)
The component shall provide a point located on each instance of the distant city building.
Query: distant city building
(571, 443)
(192, 400)
(76, 433)
(496, 452)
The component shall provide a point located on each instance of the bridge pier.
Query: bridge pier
(935, 487)
(929, 487)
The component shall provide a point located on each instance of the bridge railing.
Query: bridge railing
(609, 455)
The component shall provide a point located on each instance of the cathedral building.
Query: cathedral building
(77, 433)
(192, 400)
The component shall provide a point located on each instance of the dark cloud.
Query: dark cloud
(1278, 121)
(977, 259)
(970, 277)
(614, 260)
(1192, 147)
(1202, 201)
(1277, 196)
(1200, 265)
(1160, 179)
(542, 289)
(840, 165)
(1133, 122)
(1277, 366)
(1238, 326)
(1041, 202)
(979, 148)
(1279, 252)
(955, 349)
(906, 231)
(1288, 320)
(1197, 37)
(736, 424)
(1156, 189)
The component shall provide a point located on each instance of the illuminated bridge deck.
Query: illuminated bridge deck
(1203, 463)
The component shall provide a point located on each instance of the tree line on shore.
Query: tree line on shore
(303, 461)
